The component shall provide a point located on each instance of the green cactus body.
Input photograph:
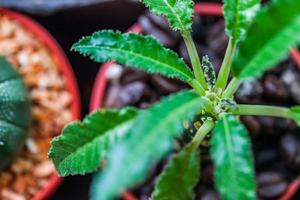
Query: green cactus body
(15, 114)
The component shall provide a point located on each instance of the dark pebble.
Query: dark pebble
(290, 147)
(271, 185)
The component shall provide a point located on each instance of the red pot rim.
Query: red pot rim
(65, 68)
(99, 88)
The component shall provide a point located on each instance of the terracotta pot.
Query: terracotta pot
(64, 66)
(98, 93)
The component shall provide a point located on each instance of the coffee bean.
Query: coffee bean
(270, 185)
(131, 75)
(131, 93)
(216, 38)
(251, 124)
(250, 91)
(274, 88)
(267, 125)
(265, 157)
(199, 28)
(165, 85)
(155, 26)
(284, 125)
(210, 195)
(290, 147)
(163, 24)
(112, 95)
(291, 79)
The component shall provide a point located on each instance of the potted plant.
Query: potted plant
(145, 136)
(38, 96)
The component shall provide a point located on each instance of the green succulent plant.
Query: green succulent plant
(131, 140)
(14, 113)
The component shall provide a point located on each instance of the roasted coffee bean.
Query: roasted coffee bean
(274, 88)
(158, 27)
(278, 70)
(267, 125)
(270, 185)
(216, 38)
(210, 195)
(282, 124)
(162, 23)
(199, 29)
(250, 91)
(291, 79)
(131, 75)
(132, 93)
(165, 85)
(112, 95)
(290, 147)
(265, 157)
(252, 124)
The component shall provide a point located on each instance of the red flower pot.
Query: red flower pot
(98, 93)
(64, 66)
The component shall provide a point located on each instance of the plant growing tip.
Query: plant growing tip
(137, 138)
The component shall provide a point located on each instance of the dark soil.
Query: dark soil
(276, 144)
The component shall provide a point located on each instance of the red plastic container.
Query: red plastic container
(64, 66)
(98, 93)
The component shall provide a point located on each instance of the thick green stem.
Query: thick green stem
(231, 88)
(207, 126)
(192, 51)
(197, 87)
(226, 66)
(261, 110)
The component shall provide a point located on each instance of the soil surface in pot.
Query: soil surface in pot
(51, 109)
(276, 144)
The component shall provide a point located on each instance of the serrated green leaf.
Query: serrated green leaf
(179, 177)
(238, 15)
(83, 145)
(294, 113)
(134, 50)
(274, 31)
(179, 13)
(233, 160)
(149, 139)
